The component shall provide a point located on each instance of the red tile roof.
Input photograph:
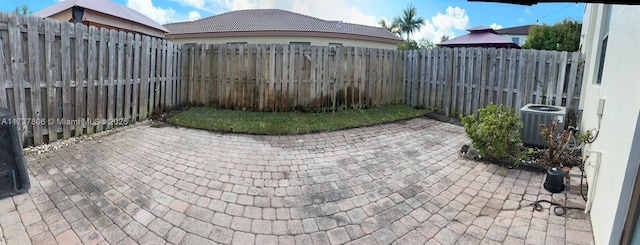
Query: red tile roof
(277, 22)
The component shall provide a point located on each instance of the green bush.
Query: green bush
(496, 134)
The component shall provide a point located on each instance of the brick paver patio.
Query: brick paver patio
(399, 183)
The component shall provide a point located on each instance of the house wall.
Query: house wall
(104, 20)
(619, 88)
(316, 41)
(523, 38)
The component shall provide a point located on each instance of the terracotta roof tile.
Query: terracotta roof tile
(276, 20)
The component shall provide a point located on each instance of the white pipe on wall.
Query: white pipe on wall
(593, 161)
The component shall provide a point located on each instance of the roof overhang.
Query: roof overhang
(106, 7)
(532, 2)
(284, 33)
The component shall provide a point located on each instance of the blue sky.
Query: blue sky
(443, 17)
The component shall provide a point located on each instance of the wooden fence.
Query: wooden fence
(63, 80)
(461, 80)
(451, 81)
(285, 77)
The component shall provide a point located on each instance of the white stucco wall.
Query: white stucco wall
(522, 40)
(620, 88)
(315, 41)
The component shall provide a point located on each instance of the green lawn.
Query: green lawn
(281, 123)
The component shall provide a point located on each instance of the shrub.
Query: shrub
(560, 151)
(496, 134)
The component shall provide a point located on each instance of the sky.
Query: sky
(451, 18)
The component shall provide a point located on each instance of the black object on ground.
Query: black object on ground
(554, 181)
(13, 169)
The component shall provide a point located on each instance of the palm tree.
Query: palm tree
(391, 27)
(24, 10)
(408, 22)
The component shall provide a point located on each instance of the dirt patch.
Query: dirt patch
(443, 118)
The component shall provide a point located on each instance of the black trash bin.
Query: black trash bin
(13, 169)
(554, 181)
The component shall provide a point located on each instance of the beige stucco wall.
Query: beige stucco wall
(620, 86)
(315, 41)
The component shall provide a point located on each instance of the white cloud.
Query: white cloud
(527, 11)
(194, 15)
(204, 5)
(495, 26)
(455, 18)
(158, 14)
(199, 4)
(521, 19)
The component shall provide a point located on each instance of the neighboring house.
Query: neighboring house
(480, 36)
(517, 34)
(103, 13)
(610, 102)
(274, 26)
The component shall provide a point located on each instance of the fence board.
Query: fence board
(144, 75)
(457, 80)
(34, 78)
(135, 90)
(120, 76)
(511, 76)
(128, 75)
(520, 78)
(66, 78)
(17, 66)
(51, 65)
(91, 58)
(111, 95)
(479, 80)
(572, 78)
(469, 84)
(560, 79)
(202, 65)
(550, 76)
(151, 90)
(449, 81)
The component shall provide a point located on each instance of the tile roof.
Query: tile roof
(480, 36)
(516, 30)
(277, 21)
(102, 6)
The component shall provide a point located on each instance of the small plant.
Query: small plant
(496, 134)
(559, 152)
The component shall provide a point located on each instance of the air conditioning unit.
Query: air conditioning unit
(534, 115)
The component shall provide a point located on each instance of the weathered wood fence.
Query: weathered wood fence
(461, 80)
(285, 77)
(63, 80)
(451, 81)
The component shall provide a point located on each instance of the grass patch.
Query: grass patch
(282, 123)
